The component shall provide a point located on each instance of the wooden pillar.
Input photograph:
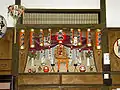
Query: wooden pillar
(105, 47)
(15, 55)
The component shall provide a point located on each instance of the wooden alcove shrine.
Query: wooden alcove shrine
(67, 81)
(13, 60)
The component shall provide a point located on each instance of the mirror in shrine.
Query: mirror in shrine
(60, 51)
(117, 48)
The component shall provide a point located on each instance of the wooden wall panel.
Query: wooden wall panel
(6, 53)
(5, 65)
(114, 87)
(82, 88)
(38, 79)
(36, 88)
(82, 79)
(5, 72)
(115, 78)
(39, 88)
(6, 45)
(113, 35)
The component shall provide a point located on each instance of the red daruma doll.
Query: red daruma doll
(46, 69)
(82, 68)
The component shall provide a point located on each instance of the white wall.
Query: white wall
(113, 13)
(3, 11)
(62, 4)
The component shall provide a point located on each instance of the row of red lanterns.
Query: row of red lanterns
(78, 42)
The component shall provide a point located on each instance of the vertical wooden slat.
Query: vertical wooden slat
(103, 12)
(113, 35)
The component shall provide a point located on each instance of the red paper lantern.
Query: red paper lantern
(32, 42)
(46, 69)
(60, 36)
(41, 35)
(22, 38)
(88, 37)
(79, 37)
(98, 39)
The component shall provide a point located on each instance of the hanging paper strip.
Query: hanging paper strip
(88, 38)
(41, 35)
(72, 36)
(88, 61)
(22, 37)
(80, 56)
(79, 37)
(32, 42)
(98, 39)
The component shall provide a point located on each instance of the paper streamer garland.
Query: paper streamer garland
(22, 38)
